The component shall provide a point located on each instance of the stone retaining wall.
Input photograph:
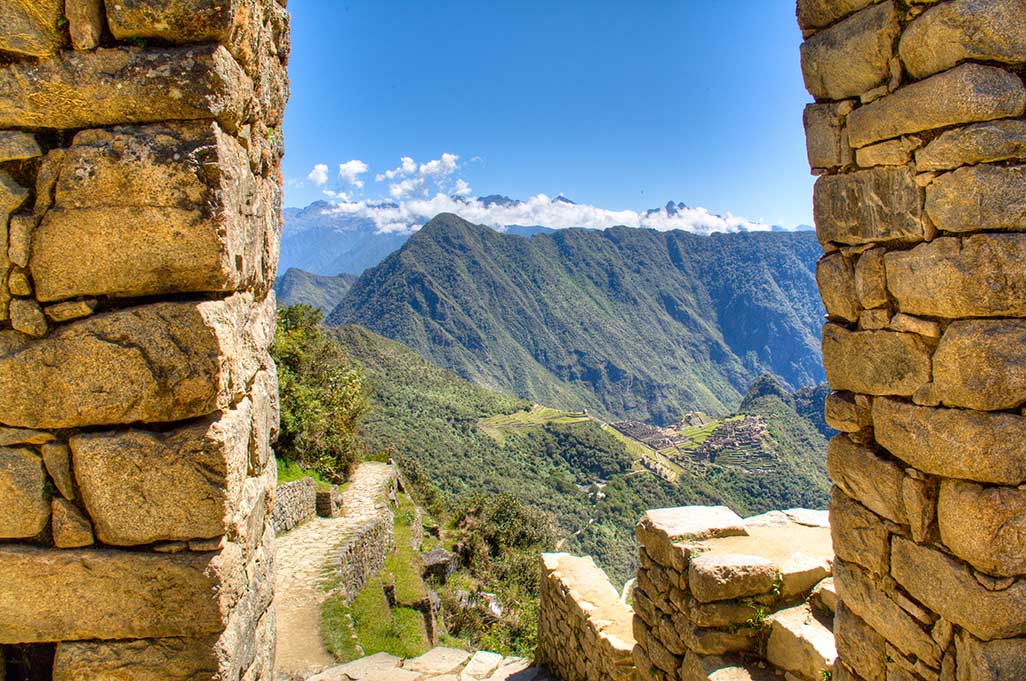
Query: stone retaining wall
(139, 220)
(918, 137)
(584, 631)
(363, 555)
(294, 502)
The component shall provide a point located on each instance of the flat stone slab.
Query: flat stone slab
(723, 576)
(359, 669)
(437, 661)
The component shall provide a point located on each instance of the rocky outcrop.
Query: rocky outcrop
(139, 220)
(921, 190)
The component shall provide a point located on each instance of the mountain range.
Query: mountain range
(628, 323)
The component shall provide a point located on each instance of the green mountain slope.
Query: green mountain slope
(323, 292)
(627, 323)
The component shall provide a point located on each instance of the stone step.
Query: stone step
(724, 668)
(438, 664)
(801, 641)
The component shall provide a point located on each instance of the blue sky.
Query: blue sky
(623, 106)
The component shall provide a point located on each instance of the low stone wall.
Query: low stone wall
(294, 503)
(363, 555)
(584, 628)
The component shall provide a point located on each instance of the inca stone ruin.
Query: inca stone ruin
(141, 195)
(139, 180)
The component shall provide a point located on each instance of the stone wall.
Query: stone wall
(294, 502)
(584, 631)
(918, 137)
(363, 554)
(140, 201)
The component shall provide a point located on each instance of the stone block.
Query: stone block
(124, 85)
(954, 443)
(717, 614)
(726, 576)
(31, 27)
(85, 22)
(866, 206)
(919, 496)
(984, 526)
(174, 21)
(875, 362)
(800, 643)
(860, 536)
(968, 93)
(991, 660)
(979, 364)
(28, 318)
(824, 596)
(852, 56)
(813, 14)
(870, 279)
(862, 648)
(867, 478)
(979, 197)
(80, 594)
(835, 275)
(972, 144)
(659, 529)
(71, 310)
(841, 413)
(266, 416)
(867, 599)
(826, 141)
(948, 588)
(23, 436)
(800, 572)
(142, 487)
(16, 145)
(154, 363)
(24, 502)
(909, 324)
(964, 30)
(71, 529)
(164, 659)
(889, 153)
(151, 210)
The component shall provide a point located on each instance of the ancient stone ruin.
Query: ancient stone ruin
(140, 193)
(918, 138)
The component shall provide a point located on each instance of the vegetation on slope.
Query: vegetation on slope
(297, 287)
(628, 323)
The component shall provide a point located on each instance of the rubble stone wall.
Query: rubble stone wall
(918, 138)
(584, 631)
(140, 212)
(294, 503)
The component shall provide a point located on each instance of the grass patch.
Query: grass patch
(337, 630)
(380, 629)
(290, 471)
(404, 564)
(523, 422)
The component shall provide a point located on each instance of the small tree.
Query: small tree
(322, 395)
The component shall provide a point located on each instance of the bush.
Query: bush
(322, 395)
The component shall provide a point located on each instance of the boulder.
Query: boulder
(954, 443)
(439, 564)
(978, 197)
(964, 30)
(979, 364)
(875, 362)
(24, 502)
(972, 144)
(852, 56)
(966, 94)
(984, 526)
(866, 206)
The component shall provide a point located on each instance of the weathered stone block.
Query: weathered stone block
(79, 594)
(979, 143)
(71, 310)
(142, 487)
(27, 317)
(978, 197)
(801, 644)
(954, 443)
(868, 600)
(24, 504)
(880, 204)
(948, 588)
(85, 22)
(965, 94)
(910, 324)
(859, 535)
(16, 146)
(152, 210)
(852, 56)
(153, 363)
(124, 85)
(176, 21)
(173, 659)
(819, 13)
(826, 142)
(875, 362)
(659, 529)
(889, 153)
(979, 364)
(869, 479)
(990, 661)
(862, 648)
(962, 30)
(12, 195)
(266, 416)
(31, 27)
(984, 526)
(835, 275)
(71, 529)
(919, 496)
(841, 413)
(725, 576)
(870, 280)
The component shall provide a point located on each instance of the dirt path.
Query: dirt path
(302, 560)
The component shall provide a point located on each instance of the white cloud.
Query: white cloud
(462, 188)
(319, 174)
(405, 188)
(350, 171)
(440, 166)
(407, 166)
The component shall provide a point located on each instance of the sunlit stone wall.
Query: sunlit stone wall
(140, 200)
(918, 138)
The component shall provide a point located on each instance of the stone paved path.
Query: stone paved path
(439, 664)
(303, 557)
